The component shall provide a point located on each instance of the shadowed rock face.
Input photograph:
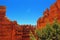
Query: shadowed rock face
(50, 15)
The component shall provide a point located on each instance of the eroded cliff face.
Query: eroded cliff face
(10, 30)
(50, 15)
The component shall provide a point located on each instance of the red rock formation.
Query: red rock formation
(23, 32)
(10, 30)
(50, 15)
(5, 25)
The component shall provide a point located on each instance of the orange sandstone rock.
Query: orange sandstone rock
(50, 15)
(10, 30)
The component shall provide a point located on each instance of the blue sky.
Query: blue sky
(26, 11)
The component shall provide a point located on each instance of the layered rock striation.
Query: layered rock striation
(10, 30)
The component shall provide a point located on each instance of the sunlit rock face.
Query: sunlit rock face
(58, 3)
(42, 21)
(10, 30)
(50, 15)
(2, 11)
(5, 25)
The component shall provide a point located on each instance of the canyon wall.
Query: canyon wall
(50, 15)
(10, 30)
